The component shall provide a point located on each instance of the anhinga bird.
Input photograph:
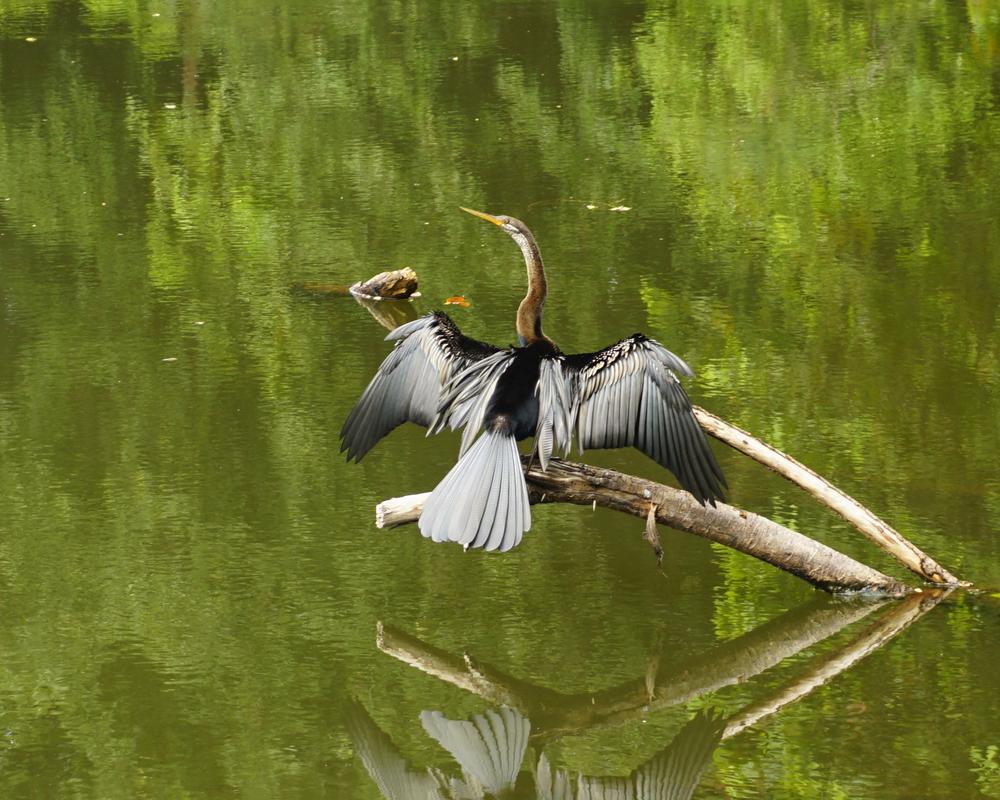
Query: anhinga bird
(625, 395)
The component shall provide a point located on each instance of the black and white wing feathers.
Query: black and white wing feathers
(489, 748)
(673, 774)
(628, 394)
(429, 351)
(395, 778)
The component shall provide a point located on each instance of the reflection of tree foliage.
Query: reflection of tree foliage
(814, 224)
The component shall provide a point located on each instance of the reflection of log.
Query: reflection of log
(389, 315)
(480, 679)
(733, 662)
(899, 617)
(860, 517)
(491, 747)
(556, 714)
(749, 533)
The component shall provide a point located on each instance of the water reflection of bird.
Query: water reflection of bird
(627, 394)
(490, 749)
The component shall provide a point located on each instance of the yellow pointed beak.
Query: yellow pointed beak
(481, 215)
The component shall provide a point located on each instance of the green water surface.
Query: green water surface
(190, 577)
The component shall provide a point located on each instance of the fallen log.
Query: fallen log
(882, 534)
(750, 533)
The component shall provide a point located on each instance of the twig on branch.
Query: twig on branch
(885, 536)
(651, 535)
(581, 484)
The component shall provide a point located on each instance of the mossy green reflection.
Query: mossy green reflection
(190, 576)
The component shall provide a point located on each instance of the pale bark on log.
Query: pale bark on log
(882, 534)
(744, 531)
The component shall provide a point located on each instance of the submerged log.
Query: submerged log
(397, 284)
(882, 534)
(757, 536)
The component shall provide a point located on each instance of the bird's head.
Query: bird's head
(513, 227)
(529, 313)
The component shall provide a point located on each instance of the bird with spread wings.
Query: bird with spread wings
(627, 395)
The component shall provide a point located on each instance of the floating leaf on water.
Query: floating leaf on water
(621, 208)
(169, 359)
(171, 106)
(30, 38)
(591, 206)
(457, 300)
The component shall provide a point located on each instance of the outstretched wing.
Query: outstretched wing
(628, 394)
(407, 387)
(673, 774)
(396, 779)
(489, 748)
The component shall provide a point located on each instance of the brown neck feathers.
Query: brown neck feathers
(529, 313)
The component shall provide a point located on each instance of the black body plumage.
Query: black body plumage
(625, 395)
(513, 407)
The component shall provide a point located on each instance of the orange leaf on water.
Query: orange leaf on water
(457, 300)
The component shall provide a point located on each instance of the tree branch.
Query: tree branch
(885, 536)
(757, 536)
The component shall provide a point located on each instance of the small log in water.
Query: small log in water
(581, 484)
(885, 536)
(396, 284)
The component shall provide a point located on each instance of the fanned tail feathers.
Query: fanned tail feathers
(483, 500)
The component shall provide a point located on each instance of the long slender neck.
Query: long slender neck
(529, 313)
